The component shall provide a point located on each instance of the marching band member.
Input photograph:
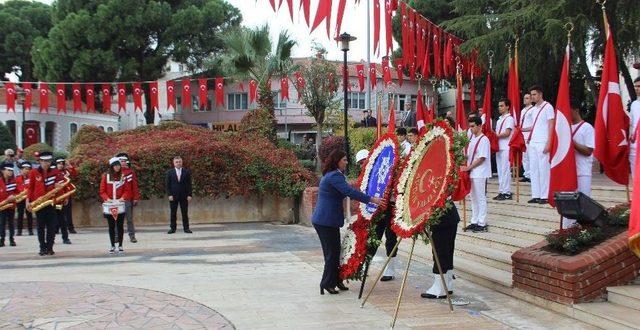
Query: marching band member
(41, 181)
(479, 166)
(526, 121)
(132, 179)
(69, 172)
(22, 181)
(543, 122)
(505, 125)
(62, 207)
(116, 177)
(8, 189)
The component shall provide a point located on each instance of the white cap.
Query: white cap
(114, 161)
(362, 155)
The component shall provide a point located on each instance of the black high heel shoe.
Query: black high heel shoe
(342, 287)
(330, 290)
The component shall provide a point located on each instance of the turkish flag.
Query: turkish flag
(612, 123)
(171, 95)
(219, 91)
(376, 26)
(341, 6)
(373, 75)
(361, 80)
(486, 106)
(60, 98)
(106, 98)
(137, 97)
(412, 71)
(290, 5)
(426, 60)
(323, 13)
(11, 98)
(420, 38)
(564, 175)
(253, 90)
(284, 87)
(91, 98)
(388, 28)
(449, 67)
(306, 8)
(513, 89)
(273, 4)
(153, 88)
(391, 128)
(634, 219)
(412, 37)
(386, 72)
(472, 95)
(301, 83)
(202, 92)
(186, 93)
(437, 59)
(122, 97)
(420, 113)
(77, 97)
(517, 147)
(26, 87)
(430, 116)
(379, 120)
(400, 71)
(405, 32)
(461, 115)
(44, 98)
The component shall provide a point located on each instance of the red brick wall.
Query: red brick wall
(574, 279)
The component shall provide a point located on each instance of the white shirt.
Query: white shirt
(178, 172)
(505, 122)
(483, 151)
(540, 133)
(635, 116)
(585, 135)
(526, 121)
(406, 148)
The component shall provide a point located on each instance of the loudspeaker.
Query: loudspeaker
(580, 207)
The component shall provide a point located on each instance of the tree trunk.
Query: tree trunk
(584, 69)
(319, 129)
(265, 101)
(149, 115)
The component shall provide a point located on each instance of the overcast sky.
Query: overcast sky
(259, 12)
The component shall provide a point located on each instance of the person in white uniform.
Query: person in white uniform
(479, 167)
(540, 145)
(526, 121)
(505, 127)
(633, 135)
(583, 136)
(405, 146)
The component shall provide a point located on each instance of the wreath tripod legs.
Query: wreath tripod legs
(404, 282)
(437, 261)
(395, 248)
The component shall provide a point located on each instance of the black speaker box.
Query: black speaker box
(580, 207)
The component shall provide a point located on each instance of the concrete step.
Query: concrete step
(519, 216)
(613, 187)
(606, 197)
(528, 232)
(487, 256)
(608, 315)
(626, 295)
(494, 240)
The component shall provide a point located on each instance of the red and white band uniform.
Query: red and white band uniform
(123, 190)
(526, 121)
(583, 134)
(542, 116)
(40, 183)
(633, 134)
(8, 188)
(479, 148)
(504, 124)
(132, 180)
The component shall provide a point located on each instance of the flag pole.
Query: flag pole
(368, 105)
(517, 176)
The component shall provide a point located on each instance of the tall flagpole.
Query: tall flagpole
(368, 105)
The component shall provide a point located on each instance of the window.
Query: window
(237, 101)
(73, 129)
(278, 102)
(101, 127)
(356, 100)
(109, 129)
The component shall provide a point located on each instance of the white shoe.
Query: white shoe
(391, 268)
(120, 249)
(436, 291)
(112, 250)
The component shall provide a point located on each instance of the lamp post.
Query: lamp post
(344, 40)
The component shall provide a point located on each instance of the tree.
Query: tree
(130, 40)
(6, 138)
(318, 93)
(20, 23)
(250, 55)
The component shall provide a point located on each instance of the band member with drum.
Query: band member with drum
(114, 188)
(22, 181)
(8, 189)
(66, 219)
(41, 182)
(132, 179)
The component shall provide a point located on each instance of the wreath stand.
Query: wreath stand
(406, 274)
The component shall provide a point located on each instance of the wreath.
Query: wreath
(353, 249)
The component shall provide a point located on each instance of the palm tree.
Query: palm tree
(249, 55)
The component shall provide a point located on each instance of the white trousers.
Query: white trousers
(478, 201)
(504, 171)
(584, 186)
(540, 169)
(525, 163)
(632, 157)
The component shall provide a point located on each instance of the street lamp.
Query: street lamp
(344, 40)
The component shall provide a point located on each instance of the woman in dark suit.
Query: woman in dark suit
(328, 215)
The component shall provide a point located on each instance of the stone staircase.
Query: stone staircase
(620, 311)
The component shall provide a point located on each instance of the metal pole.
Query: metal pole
(345, 81)
(364, 279)
(404, 282)
(437, 261)
(368, 105)
(22, 128)
(395, 248)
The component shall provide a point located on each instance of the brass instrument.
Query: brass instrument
(21, 196)
(48, 198)
(6, 204)
(65, 195)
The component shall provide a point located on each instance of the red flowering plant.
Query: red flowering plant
(221, 164)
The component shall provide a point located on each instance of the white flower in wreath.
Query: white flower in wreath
(349, 239)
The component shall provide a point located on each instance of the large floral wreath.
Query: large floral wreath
(353, 249)
(403, 223)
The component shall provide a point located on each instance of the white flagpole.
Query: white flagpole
(368, 105)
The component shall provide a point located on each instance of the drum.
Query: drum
(113, 207)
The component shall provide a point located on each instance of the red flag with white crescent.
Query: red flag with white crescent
(122, 97)
(137, 97)
(430, 117)
(91, 98)
(253, 90)
(420, 113)
(449, 66)
(376, 26)
(420, 41)
(461, 115)
(44, 98)
(400, 71)
(106, 98)
(612, 123)
(219, 91)
(273, 4)
(202, 93)
(341, 7)
(60, 99)
(412, 37)
(373, 76)
(486, 106)
(437, 59)
(388, 28)
(306, 9)
(284, 87)
(77, 97)
(564, 175)
(11, 98)
(153, 89)
(426, 60)
(27, 88)
(186, 93)
(391, 128)
(361, 78)
(323, 13)
(171, 95)
(386, 71)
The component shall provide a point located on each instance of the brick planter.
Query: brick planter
(574, 279)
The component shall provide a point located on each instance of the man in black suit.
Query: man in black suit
(178, 184)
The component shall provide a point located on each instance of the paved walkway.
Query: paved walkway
(247, 276)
